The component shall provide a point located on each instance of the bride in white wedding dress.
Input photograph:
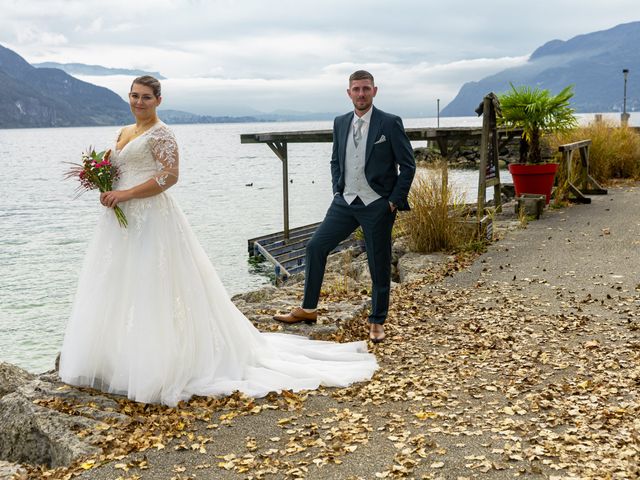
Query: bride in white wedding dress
(151, 319)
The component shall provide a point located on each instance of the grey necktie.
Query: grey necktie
(357, 132)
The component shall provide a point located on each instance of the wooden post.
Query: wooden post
(495, 161)
(489, 174)
(484, 157)
(280, 149)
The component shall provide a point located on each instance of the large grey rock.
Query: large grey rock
(399, 248)
(359, 270)
(255, 296)
(340, 262)
(412, 266)
(35, 434)
(12, 377)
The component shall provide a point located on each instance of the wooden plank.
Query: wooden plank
(278, 250)
(574, 146)
(278, 235)
(293, 270)
(326, 136)
(310, 136)
(279, 269)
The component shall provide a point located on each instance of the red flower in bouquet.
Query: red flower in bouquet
(97, 172)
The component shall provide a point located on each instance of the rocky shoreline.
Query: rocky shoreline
(467, 155)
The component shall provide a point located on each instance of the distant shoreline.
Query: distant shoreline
(177, 117)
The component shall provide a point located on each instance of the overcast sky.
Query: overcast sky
(235, 57)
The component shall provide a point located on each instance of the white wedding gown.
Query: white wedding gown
(152, 320)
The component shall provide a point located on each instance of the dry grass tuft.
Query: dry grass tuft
(435, 221)
(614, 152)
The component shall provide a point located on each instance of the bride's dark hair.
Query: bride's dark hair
(149, 81)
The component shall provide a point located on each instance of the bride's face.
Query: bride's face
(142, 101)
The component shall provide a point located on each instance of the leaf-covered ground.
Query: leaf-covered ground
(521, 363)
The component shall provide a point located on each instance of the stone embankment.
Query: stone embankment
(467, 156)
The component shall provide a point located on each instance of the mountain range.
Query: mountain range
(593, 63)
(46, 95)
(49, 97)
(99, 70)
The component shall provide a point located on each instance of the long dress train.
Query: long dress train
(152, 320)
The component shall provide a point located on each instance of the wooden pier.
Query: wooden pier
(287, 255)
(286, 249)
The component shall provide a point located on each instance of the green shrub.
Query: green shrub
(538, 112)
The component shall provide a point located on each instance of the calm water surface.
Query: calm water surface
(45, 229)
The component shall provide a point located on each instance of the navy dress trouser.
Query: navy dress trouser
(376, 220)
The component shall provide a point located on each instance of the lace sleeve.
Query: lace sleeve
(165, 152)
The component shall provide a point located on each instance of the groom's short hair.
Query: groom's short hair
(361, 75)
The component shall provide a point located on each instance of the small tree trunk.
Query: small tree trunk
(535, 155)
(524, 150)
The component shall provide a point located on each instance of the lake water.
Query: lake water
(44, 230)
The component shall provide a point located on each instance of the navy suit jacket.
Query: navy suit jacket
(389, 162)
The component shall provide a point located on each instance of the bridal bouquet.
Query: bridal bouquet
(97, 172)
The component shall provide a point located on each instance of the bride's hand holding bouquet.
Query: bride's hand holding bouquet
(112, 198)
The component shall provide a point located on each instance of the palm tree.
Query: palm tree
(537, 112)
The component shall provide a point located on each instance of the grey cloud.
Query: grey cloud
(427, 47)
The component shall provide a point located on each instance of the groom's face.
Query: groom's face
(361, 93)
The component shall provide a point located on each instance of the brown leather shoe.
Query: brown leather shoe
(376, 332)
(297, 315)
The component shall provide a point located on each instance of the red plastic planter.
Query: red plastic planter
(533, 178)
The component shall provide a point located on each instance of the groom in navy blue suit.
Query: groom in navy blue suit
(372, 167)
